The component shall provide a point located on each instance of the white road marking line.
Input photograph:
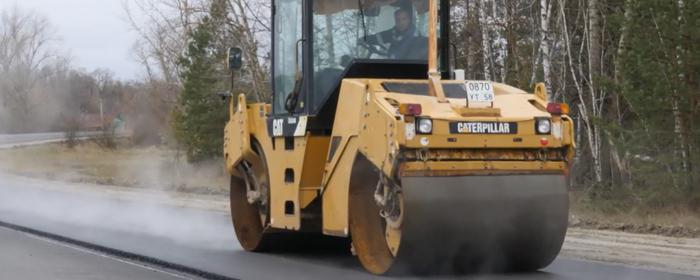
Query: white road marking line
(96, 253)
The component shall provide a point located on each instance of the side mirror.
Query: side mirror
(235, 59)
(224, 95)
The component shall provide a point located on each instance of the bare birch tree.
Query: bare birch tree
(545, 42)
(166, 27)
(679, 127)
(248, 25)
(485, 39)
(25, 47)
(163, 27)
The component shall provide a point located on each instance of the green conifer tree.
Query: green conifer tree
(200, 117)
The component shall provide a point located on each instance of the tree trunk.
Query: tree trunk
(500, 44)
(621, 161)
(587, 109)
(594, 66)
(251, 47)
(545, 15)
(485, 39)
(679, 126)
(594, 40)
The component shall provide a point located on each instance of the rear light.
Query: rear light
(558, 108)
(410, 109)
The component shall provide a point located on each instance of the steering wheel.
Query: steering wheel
(378, 49)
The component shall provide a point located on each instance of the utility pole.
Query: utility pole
(102, 117)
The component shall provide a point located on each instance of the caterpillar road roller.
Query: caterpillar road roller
(371, 136)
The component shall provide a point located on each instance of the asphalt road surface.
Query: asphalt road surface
(24, 256)
(197, 239)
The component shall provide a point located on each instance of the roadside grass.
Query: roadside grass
(633, 215)
(151, 167)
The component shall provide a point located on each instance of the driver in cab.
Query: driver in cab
(403, 40)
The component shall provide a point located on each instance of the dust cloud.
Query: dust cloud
(51, 95)
(140, 164)
(61, 188)
(20, 197)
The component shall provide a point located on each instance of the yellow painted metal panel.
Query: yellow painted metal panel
(418, 168)
(281, 191)
(314, 164)
(236, 134)
(335, 195)
(347, 121)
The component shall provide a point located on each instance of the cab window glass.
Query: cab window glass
(288, 32)
(372, 29)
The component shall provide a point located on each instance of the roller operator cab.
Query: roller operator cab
(369, 139)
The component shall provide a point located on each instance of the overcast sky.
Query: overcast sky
(94, 32)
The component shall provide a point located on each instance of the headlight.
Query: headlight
(544, 126)
(425, 126)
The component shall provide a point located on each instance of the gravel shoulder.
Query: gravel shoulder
(671, 254)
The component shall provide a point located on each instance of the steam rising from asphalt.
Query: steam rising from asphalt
(59, 96)
(23, 198)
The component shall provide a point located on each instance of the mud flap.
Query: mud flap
(468, 224)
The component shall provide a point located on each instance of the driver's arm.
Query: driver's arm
(381, 38)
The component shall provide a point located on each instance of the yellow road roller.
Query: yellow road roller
(372, 136)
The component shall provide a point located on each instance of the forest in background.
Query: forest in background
(628, 69)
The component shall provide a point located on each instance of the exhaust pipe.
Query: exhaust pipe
(434, 84)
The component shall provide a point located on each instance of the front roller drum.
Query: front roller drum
(460, 224)
(248, 222)
(249, 201)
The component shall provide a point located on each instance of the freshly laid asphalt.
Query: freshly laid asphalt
(24, 256)
(197, 239)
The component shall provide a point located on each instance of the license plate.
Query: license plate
(479, 92)
(483, 128)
